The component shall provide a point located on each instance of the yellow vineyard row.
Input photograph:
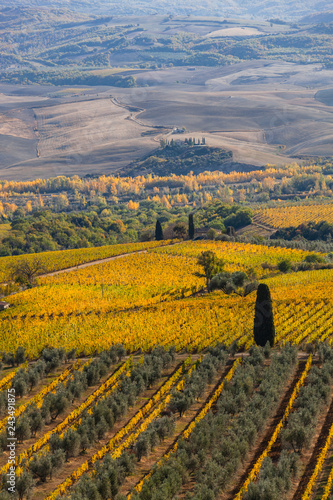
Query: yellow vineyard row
(38, 398)
(187, 432)
(118, 437)
(74, 415)
(287, 216)
(256, 468)
(63, 259)
(319, 464)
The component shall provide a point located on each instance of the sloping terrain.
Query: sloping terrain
(256, 8)
(264, 112)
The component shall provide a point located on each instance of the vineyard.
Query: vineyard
(136, 383)
(54, 261)
(148, 298)
(165, 425)
(294, 215)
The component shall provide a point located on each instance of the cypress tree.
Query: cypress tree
(191, 229)
(263, 329)
(230, 231)
(158, 231)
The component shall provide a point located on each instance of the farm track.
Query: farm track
(95, 262)
(263, 441)
(311, 463)
(44, 490)
(91, 263)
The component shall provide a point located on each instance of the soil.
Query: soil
(263, 438)
(146, 463)
(310, 455)
(44, 489)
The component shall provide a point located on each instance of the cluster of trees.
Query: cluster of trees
(44, 231)
(13, 358)
(310, 231)
(219, 215)
(311, 246)
(67, 77)
(25, 379)
(180, 158)
(220, 444)
(274, 480)
(312, 398)
(217, 278)
(242, 285)
(109, 477)
(310, 262)
(155, 433)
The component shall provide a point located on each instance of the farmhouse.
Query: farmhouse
(4, 305)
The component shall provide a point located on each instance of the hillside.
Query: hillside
(95, 93)
(131, 415)
(257, 9)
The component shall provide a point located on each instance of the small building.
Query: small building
(4, 305)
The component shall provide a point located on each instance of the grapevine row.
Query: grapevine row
(256, 468)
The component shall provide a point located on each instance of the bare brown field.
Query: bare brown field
(264, 111)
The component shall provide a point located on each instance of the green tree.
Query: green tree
(237, 282)
(20, 355)
(314, 258)
(211, 233)
(284, 265)
(23, 429)
(158, 231)
(24, 484)
(263, 329)
(211, 265)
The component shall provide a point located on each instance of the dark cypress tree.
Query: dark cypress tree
(191, 229)
(230, 231)
(263, 329)
(158, 231)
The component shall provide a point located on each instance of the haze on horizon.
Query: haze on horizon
(255, 9)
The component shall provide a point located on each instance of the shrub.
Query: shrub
(284, 266)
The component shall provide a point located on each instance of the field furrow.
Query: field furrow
(185, 426)
(271, 436)
(315, 461)
(73, 418)
(123, 433)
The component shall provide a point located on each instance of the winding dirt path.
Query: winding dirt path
(91, 263)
